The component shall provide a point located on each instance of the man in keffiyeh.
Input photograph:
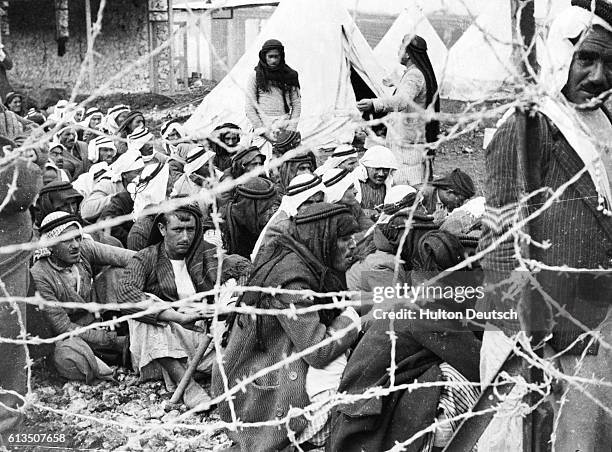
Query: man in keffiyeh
(75, 151)
(340, 189)
(65, 272)
(374, 178)
(344, 156)
(123, 171)
(314, 256)
(568, 135)
(224, 143)
(245, 216)
(303, 190)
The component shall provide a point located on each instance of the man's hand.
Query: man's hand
(365, 105)
(190, 322)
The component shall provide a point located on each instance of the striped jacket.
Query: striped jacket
(580, 236)
(150, 271)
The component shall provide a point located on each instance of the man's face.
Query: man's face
(231, 139)
(303, 168)
(451, 199)
(273, 58)
(68, 251)
(343, 253)
(68, 138)
(15, 105)
(121, 117)
(349, 164)
(106, 155)
(255, 163)
(66, 205)
(138, 121)
(95, 121)
(402, 53)
(78, 116)
(203, 171)
(591, 69)
(317, 197)
(173, 136)
(178, 232)
(349, 196)
(146, 149)
(57, 157)
(378, 176)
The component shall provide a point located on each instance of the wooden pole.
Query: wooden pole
(91, 62)
(171, 74)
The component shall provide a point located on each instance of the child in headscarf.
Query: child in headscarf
(273, 92)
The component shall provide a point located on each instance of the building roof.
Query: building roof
(217, 4)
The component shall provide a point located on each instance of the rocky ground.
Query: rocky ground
(128, 416)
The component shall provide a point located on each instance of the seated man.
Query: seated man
(64, 273)
(243, 162)
(314, 256)
(124, 170)
(340, 189)
(177, 264)
(374, 176)
(57, 196)
(344, 156)
(446, 193)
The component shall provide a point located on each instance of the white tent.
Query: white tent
(322, 43)
(411, 21)
(480, 62)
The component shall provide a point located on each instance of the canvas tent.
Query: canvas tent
(324, 45)
(480, 62)
(411, 21)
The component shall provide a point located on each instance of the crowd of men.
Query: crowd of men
(357, 217)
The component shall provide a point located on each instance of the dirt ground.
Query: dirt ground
(125, 403)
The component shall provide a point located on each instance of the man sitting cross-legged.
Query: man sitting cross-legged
(176, 265)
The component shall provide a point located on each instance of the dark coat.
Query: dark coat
(579, 234)
(76, 161)
(120, 204)
(5, 85)
(15, 228)
(270, 396)
(376, 423)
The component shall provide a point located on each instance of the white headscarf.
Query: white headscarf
(130, 161)
(85, 183)
(196, 159)
(89, 114)
(556, 59)
(394, 195)
(138, 138)
(151, 187)
(556, 56)
(110, 120)
(299, 190)
(93, 148)
(60, 110)
(376, 157)
(337, 181)
(60, 172)
(171, 126)
(340, 154)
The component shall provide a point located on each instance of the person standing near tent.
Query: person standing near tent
(416, 90)
(273, 93)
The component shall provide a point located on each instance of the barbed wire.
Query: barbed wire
(464, 122)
